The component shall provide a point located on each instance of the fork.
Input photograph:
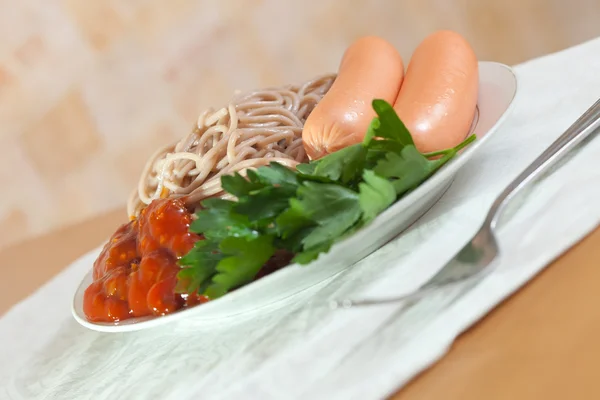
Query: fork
(477, 258)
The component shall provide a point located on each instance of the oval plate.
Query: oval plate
(497, 89)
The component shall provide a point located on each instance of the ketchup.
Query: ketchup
(136, 272)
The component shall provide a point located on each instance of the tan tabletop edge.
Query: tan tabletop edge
(47, 255)
(540, 343)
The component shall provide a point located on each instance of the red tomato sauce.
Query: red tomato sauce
(136, 272)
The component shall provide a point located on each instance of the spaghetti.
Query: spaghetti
(255, 129)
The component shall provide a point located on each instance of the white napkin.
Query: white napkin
(301, 348)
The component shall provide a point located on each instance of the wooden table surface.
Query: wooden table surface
(542, 343)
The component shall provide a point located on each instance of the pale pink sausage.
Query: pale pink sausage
(370, 69)
(439, 94)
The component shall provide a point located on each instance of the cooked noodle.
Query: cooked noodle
(253, 130)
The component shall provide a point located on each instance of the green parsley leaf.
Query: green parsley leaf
(186, 282)
(326, 233)
(371, 132)
(385, 146)
(217, 203)
(455, 149)
(375, 195)
(292, 220)
(307, 169)
(265, 203)
(294, 241)
(321, 201)
(278, 175)
(219, 221)
(239, 186)
(378, 149)
(308, 256)
(199, 266)
(410, 168)
(244, 259)
(333, 208)
(397, 165)
(343, 165)
(390, 126)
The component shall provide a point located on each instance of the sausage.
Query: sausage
(370, 69)
(438, 97)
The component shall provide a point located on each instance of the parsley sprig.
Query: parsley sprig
(304, 211)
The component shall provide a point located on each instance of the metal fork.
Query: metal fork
(477, 257)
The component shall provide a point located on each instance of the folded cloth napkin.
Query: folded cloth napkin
(303, 349)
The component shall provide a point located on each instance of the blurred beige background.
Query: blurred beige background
(89, 88)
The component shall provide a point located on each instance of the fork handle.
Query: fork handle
(582, 128)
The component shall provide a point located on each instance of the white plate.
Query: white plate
(497, 89)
